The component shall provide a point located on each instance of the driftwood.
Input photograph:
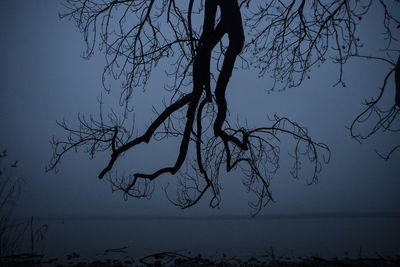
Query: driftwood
(118, 250)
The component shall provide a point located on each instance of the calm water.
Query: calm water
(289, 236)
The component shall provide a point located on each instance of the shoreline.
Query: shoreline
(190, 259)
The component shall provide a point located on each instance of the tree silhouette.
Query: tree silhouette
(377, 118)
(381, 119)
(284, 39)
(18, 238)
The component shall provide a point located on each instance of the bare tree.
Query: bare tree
(284, 39)
(10, 237)
(17, 237)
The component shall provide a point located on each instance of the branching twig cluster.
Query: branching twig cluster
(288, 38)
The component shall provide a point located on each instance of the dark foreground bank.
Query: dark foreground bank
(186, 259)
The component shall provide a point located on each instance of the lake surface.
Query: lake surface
(293, 236)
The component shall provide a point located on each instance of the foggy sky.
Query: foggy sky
(44, 79)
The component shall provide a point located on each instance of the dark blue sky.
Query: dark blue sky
(44, 79)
